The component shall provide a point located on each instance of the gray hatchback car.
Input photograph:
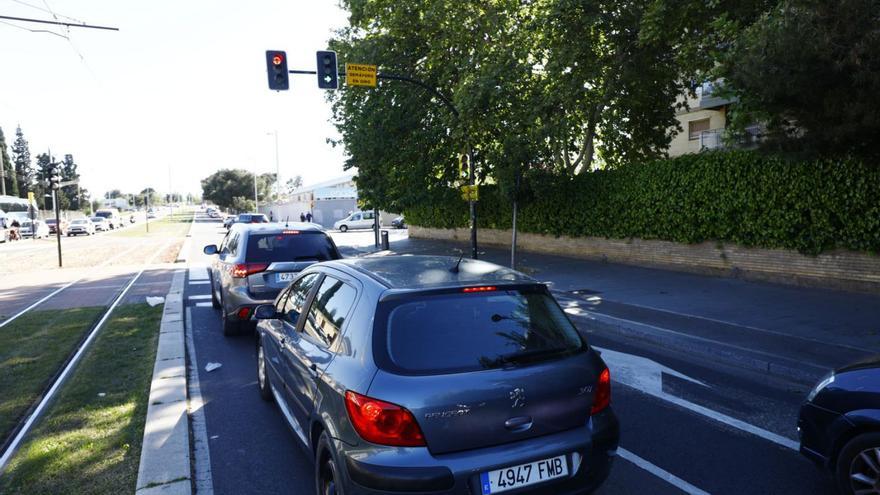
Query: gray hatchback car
(256, 261)
(429, 374)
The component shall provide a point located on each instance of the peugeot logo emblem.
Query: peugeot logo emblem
(518, 396)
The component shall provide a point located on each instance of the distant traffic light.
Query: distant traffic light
(55, 176)
(276, 67)
(328, 74)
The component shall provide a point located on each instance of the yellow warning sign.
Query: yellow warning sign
(31, 197)
(470, 193)
(360, 75)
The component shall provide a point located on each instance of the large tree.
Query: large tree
(223, 186)
(41, 179)
(21, 156)
(553, 84)
(10, 181)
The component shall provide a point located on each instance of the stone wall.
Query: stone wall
(837, 269)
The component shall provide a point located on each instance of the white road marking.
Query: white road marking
(645, 375)
(200, 297)
(199, 282)
(198, 273)
(201, 450)
(203, 304)
(660, 473)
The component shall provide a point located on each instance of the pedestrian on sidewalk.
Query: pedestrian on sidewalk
(309, 217)
(271, 216)
(302, 217)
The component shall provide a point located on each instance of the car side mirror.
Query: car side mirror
(210, 249)
(265, 312)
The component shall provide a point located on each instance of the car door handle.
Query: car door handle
(520, 423)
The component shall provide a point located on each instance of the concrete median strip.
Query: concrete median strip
(165, 456)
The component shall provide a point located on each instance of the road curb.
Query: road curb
(165, 454)
(613, 327)
(183, 254)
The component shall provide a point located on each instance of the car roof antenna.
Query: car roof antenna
(286, 220)
(454, 268)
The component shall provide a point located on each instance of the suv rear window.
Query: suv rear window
(457, 332)
(104, 214)
(301, 246)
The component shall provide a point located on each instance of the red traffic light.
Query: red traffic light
(277, 60)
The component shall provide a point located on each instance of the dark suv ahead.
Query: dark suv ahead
(255, 261)
(423, 374)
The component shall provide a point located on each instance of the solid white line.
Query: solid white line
(13, 446)
(199, 297)
(204, 304)
(199, 282)
(201, 448)
(732, 422)
(661, 473)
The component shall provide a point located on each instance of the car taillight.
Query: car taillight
(603, 392)
(383, 423)
(484, 288)
(242, 270)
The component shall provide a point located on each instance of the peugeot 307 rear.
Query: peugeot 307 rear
(439, 378)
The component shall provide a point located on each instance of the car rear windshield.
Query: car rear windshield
(290, 246)
(104, 214)
(50, 221)
(79, 222)
(457, 332)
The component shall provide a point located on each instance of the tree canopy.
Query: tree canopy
(234, 188)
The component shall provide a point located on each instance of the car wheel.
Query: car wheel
(263, 373)
(858, 465)
(229, 327)
(327, 475)
(214, 302)
(343, 228)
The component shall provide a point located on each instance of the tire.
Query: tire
(343, 228)
(215, 303)
(263, 374)
(328, 476)
(850, 462)
(230, 327)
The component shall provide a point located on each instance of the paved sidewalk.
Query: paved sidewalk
(795, 332)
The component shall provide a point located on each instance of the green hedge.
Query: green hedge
(742, 197)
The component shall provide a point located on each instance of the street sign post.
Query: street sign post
(361, 75)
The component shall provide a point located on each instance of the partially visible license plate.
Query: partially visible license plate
(284, 277)
(512, 477)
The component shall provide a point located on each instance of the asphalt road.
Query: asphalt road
(688, 425)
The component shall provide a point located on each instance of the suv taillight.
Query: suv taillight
(602, 398)
(242, 270)
(383, 423)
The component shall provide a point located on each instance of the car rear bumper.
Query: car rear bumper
(589, 451)
(237, 298)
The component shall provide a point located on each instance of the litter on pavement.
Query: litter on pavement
(212, 366)
(155, 300)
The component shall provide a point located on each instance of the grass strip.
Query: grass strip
(89, 441)
(169, 226)
(32, 349)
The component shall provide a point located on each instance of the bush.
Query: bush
(742, 197)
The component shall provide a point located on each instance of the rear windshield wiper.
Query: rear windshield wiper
(519, 357)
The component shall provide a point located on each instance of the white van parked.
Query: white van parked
(357, 220)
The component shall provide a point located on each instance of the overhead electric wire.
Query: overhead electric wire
(58, 23)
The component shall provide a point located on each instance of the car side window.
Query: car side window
(233, 244)
(224, 245)
(298, 293)
(356, 217)
(368, 216)
(330, 308)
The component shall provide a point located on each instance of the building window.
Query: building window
(695, 127)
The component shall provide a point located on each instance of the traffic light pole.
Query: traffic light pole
(472, 178)
(57, 223)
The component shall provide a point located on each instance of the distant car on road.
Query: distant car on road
(34, 228)
(51, 223)
(101, 224)
(356, 220)
(420, 374)
(245, 218)
(81, 226)
(839, 426)
(398, 223)
(112, 216)
(255, 262)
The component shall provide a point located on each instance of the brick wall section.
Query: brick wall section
(838, 269)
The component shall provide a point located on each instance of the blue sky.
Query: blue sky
(180, 88)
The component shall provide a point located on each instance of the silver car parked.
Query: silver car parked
(430, 374)
(256, 261)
